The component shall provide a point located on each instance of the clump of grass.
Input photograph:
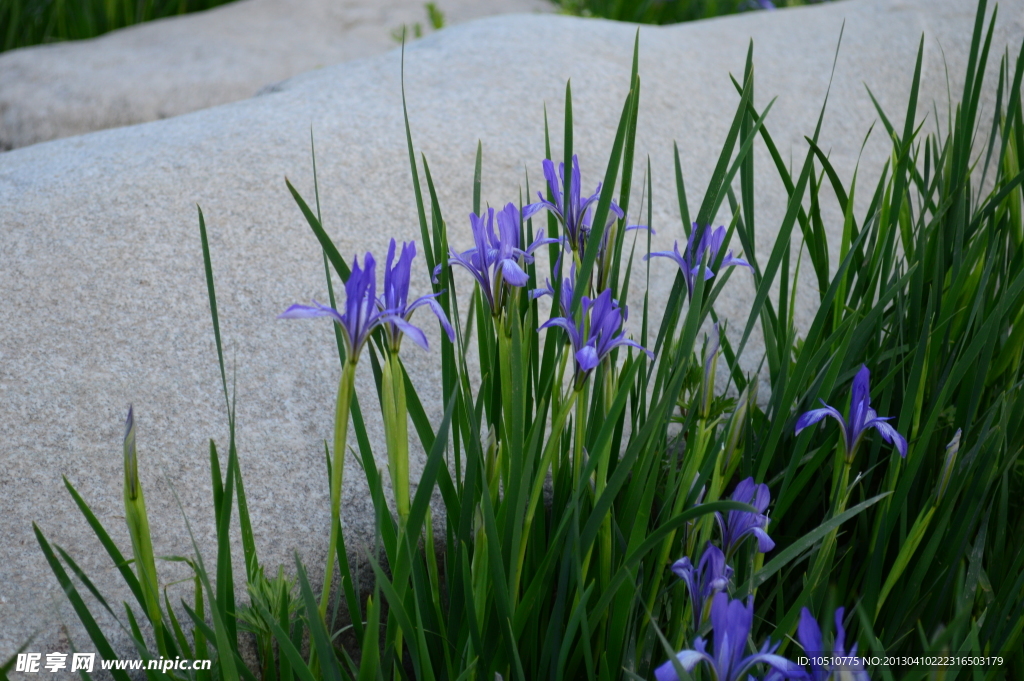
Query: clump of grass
(34, 22)
(670, 11)
(743, 522)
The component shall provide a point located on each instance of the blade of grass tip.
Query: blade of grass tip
(179, 634)
(747, 170)
(478, 176)
(338, 262)
(604, 202)
(997, 114)
(208, 266)
(1014, 102)
(684, 209)
(428, 253)
(369, 664)
(627, 165)
(567, 156)
(794, 208)
(327, 268)
(103, 646)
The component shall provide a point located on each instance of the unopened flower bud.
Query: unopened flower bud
(947, 466)
(131, 461)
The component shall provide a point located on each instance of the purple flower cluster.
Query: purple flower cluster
(731, 621)
(576, 221)
(739, 525)
(596, 333)
(364, 311)
(703, 241)
(711, 576)
(496, 259)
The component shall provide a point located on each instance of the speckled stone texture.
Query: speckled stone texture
(177, 65)
(104, 302)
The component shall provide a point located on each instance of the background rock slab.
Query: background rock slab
(181, 64)
(101, 267)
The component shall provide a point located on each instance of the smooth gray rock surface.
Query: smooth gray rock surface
(104, 302)
(181, 64)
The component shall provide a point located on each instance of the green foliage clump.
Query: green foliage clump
(580, 481)
(33, 22)
(670, 11)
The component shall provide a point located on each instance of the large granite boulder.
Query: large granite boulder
(173, 66)
(102, 278)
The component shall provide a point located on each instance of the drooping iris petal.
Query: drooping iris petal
(702, 240)
(711, 575)
(361, 315)
(592, 342)
(860, 418)
(496, 259)
(739, 524)
(731, 621)
(395, 299)
(574, 217)
(809, 635)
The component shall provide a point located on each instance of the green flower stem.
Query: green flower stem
(396, 434)
(540, 475)
(396, 431)
(479, 573)
(839, 497)
(341, 412)
(582, 397)
(695, 456)
(603, 464)
(510, 356)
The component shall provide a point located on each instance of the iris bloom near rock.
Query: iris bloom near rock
(701, 241)
(593, 341)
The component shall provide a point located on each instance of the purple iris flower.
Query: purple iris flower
(730, 624)
(709, 577)
(395, 299)
(861, 418)
(577, 222)
(592, 342)
(361, 315)
(810, 638)
(701, 241)
(739, 524)
(496, 257)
